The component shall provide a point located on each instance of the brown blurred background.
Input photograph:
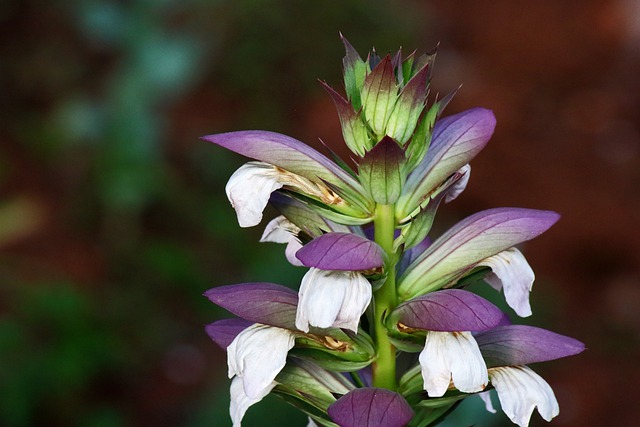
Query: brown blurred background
(113, 219)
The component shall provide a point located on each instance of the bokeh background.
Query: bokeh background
(113, 219)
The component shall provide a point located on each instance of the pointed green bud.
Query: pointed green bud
(411, 101)
(381, 171)
(354, 131)
(427, 60)
(355, 70)
(407, 67)
(379, 96)
(421, 139)
(342, 350)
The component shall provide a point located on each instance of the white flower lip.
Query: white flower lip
(249, 189)
(520, 390)
(255, 357)
(240, 402)
(511, 272)
(329, 298)
(452, 356)
(457, 188)
(281, 230)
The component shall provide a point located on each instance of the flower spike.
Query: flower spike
(379, 282)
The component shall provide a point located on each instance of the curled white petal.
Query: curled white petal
(459, 186)
(511, 271)
(257, 355)
(520, 390)
(452, 356)
(281, 230)
(332, 299)
(240, 402)
(249, 189)
(488, 404)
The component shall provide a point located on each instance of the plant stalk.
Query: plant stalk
(384, 368)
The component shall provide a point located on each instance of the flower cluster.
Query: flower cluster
(380, 293)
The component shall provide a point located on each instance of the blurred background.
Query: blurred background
(113, 218)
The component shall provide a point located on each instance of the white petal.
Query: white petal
(332, 299)
(488, 404)
(240, 402)
(511, 271)
(257, 355)
(520, 390)
(459, 186)
(452, 356)
(249, 189)
(311, 423)
(281, 230)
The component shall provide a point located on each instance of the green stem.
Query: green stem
(384, 368)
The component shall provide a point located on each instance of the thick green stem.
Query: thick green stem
(384, 368)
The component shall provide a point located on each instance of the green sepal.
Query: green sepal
(336, 349)
(426, 59)
(421, 139)
(430, 413)
(306, 219)
(381, 171)
(420, 224)
(419, 144)
(428, 410)
(329, 213)
(407, 67)
(408, 342)
(354, 130)
(379, 96)
(302, 405)
(355, 71)
(310, 387)
(409, 106)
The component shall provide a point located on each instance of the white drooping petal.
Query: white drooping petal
(511, 271)
(257, 355)
(249, 189)
(332, 299)
(459, 186)
(488, 404)
(281, 230)
(240, 402)
(311, 423)
(520, 390)
(452, 356)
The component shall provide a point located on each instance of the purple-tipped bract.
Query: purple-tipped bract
(371, 407)
(341, 251)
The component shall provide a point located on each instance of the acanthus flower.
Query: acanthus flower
(450, 353)
(334, 292)
(507, 349)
